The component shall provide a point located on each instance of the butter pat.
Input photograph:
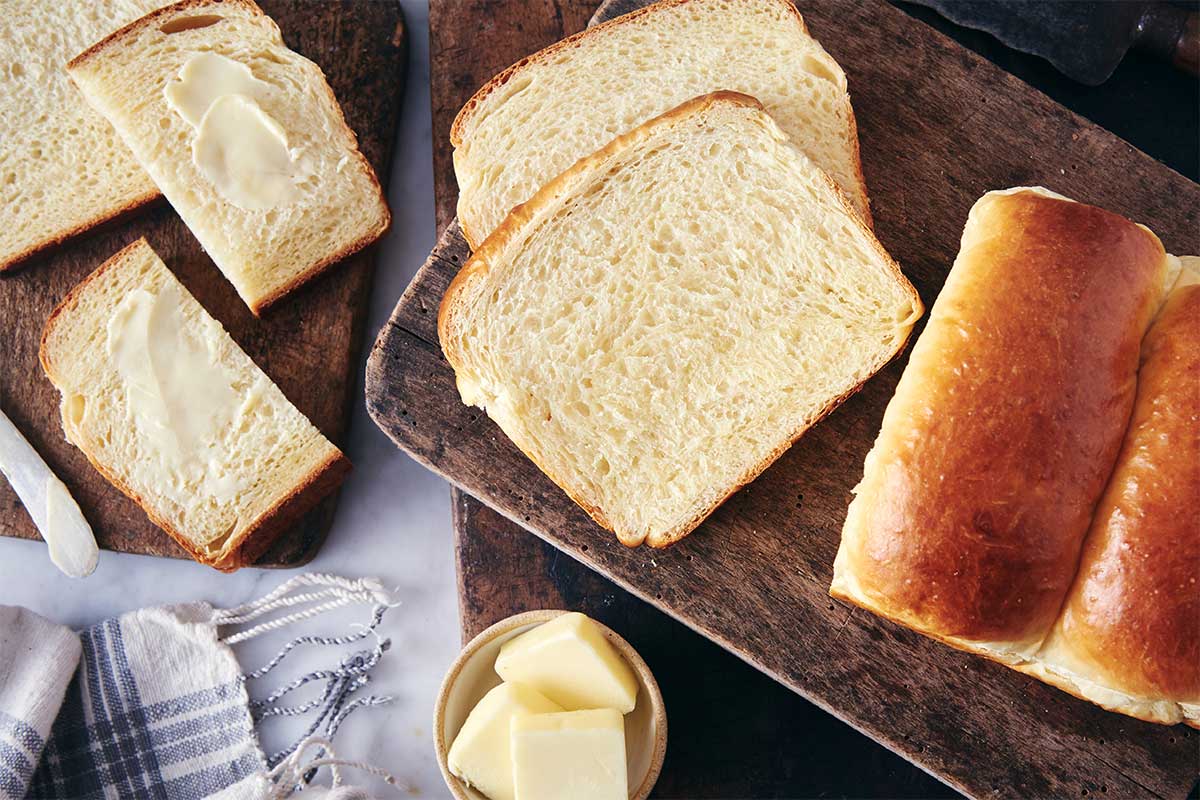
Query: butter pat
(238, 147)
(180, 395)
(205, 77)
(575, 754)
(568, 660)
(244, 153)
(480, 754)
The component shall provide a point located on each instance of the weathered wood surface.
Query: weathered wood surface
(734, 731)
(939, 126)
(308, 344)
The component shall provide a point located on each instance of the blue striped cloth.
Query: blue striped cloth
(157, 709)
(153, 704)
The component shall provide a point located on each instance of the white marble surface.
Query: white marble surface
(393, 521)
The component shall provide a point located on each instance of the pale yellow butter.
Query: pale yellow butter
(180, 398)
(569, 660)
(204, 78)
(240, 148)
(480, 754)
(574, 754)
(244, 153)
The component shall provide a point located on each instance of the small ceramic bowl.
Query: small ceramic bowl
(473, 674)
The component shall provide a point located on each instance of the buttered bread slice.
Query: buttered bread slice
(662, 320)
(541, 115)
(243, 136)
(169, 409)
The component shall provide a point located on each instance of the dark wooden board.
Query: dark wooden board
(734, 731)
(939, 126)
(308, 344)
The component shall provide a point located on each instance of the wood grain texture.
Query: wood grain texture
(939, 126)
(308, 344)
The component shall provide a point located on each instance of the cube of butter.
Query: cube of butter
(575, 754)
(569, 660)
(480, 753)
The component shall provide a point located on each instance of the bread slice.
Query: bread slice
(190, 88)
(661, 321)
(539, 116)
(63, 169)
(170, 410)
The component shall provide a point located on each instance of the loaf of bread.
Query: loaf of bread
(170, 410)
(541, 115)
(979, 493)
(243, 136)
(1128, 636)
(661, 321)
(63, 170)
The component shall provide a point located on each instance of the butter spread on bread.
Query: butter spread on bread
(170, 410)
(662, 320)
(244, 138)
(970, 522)
(238, 147)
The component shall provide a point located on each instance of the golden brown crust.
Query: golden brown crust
(366, 240)
(254, 539)
(466, 112)
(459, 293)
(1133, 616)
(1132, 707)
(112, 215)
(262, 533)
(993, 453)
(160, 16)
(154, 16)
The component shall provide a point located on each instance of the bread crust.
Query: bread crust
(469, 109)
(1132, 706)
(459, 294)
(161, 16)
(240, 550)
(1132, 618)
(113, 215)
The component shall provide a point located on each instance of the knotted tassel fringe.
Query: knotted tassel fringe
(311, 595)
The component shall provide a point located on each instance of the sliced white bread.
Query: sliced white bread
(661, 321)
(539, 116)
(170, 410)
(243, 136)
(63, 169)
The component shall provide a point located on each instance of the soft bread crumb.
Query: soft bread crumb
(661, 321)
(536, 119)
(63, 168)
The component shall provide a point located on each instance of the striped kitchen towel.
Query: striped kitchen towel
(37, 660)
(158, 706)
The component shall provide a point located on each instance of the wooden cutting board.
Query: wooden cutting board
(938, 126)
(742, 735)
(307, 345)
